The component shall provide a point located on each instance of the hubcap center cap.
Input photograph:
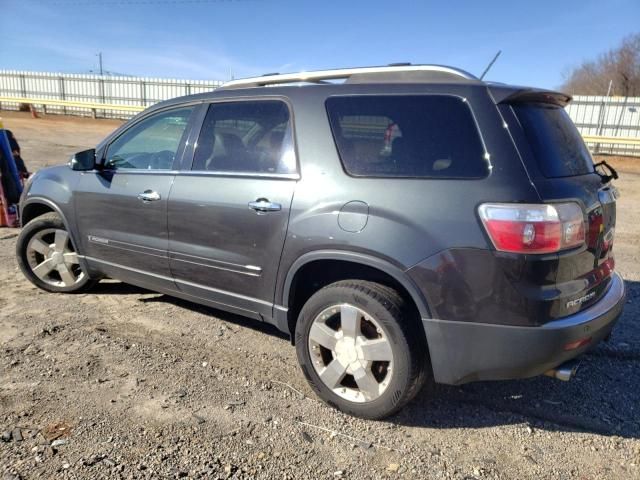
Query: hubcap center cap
(57, 258)
(346, 351)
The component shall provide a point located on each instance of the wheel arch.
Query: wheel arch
(356, 262)
(37, 206)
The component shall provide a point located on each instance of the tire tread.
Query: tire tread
(407, 321)
(46, 220)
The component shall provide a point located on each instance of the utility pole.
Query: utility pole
(99, 54)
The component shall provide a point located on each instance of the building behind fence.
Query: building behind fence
(593, 115)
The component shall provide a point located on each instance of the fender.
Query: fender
(361, 258)
(53, 206)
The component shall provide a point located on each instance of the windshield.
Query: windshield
(554, 140)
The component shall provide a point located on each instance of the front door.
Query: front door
(122, 208)
(228, 215)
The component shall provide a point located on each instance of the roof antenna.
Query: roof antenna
(490, 64)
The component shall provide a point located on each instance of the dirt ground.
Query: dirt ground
(126, 383)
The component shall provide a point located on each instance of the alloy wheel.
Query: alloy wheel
(52, 259)
(351, 353)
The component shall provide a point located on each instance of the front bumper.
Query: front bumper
(464, 352)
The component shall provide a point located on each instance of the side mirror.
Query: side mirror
(85, 160)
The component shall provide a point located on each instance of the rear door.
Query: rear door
(121, 209)
(228, 215)
(562, 169)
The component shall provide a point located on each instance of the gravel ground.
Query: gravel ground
(127, 383)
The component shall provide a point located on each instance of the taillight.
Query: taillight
(533, 228)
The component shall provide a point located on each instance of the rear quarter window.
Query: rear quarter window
(554, 140)
(423, 136)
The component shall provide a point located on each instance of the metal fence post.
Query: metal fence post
(63, 95)
(143, 93)
(602, 115)
(102, 96)
(23, 86)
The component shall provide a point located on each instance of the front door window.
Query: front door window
(151, 144)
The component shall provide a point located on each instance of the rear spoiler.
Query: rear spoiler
(511, 95)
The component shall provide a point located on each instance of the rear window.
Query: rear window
(554, 140)
(407, 136)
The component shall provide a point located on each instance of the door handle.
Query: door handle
(264, 205)
(149, 196)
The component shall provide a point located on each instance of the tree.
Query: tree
(620, 65)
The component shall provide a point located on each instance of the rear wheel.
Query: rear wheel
(359, 347)
(47, 257)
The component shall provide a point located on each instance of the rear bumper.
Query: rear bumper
(464, 352)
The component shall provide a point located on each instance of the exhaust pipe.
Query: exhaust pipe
(564, 372)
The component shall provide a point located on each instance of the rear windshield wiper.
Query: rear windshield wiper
(606, 178)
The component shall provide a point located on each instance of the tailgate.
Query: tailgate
(561, 168)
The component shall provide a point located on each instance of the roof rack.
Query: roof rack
(321, 76)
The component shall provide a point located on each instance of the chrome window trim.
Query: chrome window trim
(135, 171)
(207, 173)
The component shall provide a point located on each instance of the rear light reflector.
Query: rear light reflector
(577, 344)
(533, 228)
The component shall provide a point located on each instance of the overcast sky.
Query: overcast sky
(208, 39)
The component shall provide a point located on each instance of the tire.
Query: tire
(47, 257)
(389, 349)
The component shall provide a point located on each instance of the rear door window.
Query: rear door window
(246, 137)
(554, 140)
(407, 136)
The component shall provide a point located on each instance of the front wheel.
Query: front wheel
(47, 257)
(360, 348)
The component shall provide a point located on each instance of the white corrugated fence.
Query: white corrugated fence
(593, 115)
(135, 91)
(607, 117)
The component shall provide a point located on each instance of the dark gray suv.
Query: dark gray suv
(403, 224)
